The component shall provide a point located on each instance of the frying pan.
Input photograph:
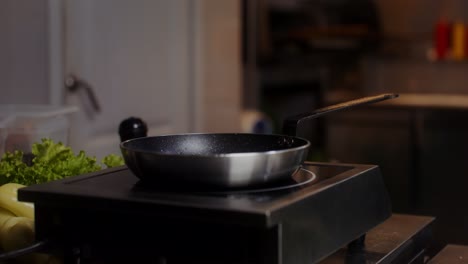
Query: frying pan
(225, 160)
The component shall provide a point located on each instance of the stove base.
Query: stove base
(106, 215)
(400, 239)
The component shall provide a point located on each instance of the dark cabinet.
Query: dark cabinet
(375, 137)
(423, 155)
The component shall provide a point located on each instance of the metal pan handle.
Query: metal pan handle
(291, 124)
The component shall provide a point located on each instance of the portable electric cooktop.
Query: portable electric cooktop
(112, 215)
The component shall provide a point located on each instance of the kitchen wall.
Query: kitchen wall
(25, 66)
(221, 65)
(23, 52)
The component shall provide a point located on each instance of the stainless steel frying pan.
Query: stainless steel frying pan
(225, 161)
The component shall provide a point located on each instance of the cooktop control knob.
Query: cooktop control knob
(132, 127)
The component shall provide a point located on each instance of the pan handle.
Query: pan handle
(291, 123)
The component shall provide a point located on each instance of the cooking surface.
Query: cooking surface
(118, 189)
(341, 203)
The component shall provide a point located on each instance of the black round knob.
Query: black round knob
(132, 127)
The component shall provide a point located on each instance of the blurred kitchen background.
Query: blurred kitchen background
(243, 66)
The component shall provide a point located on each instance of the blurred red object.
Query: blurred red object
(441, 39)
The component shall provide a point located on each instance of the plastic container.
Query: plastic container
(23, 125)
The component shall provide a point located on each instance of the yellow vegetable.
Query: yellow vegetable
(9, 201)
(5, 215)
(17, 226)
(17, 232)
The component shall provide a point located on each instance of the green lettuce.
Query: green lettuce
(50, 161)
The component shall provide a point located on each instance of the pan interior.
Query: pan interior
(213, 144)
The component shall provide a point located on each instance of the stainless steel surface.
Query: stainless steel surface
(299, 178)
(226, 160)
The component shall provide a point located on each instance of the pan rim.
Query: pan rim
(306, 145)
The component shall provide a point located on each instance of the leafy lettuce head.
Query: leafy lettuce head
(50, 161)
